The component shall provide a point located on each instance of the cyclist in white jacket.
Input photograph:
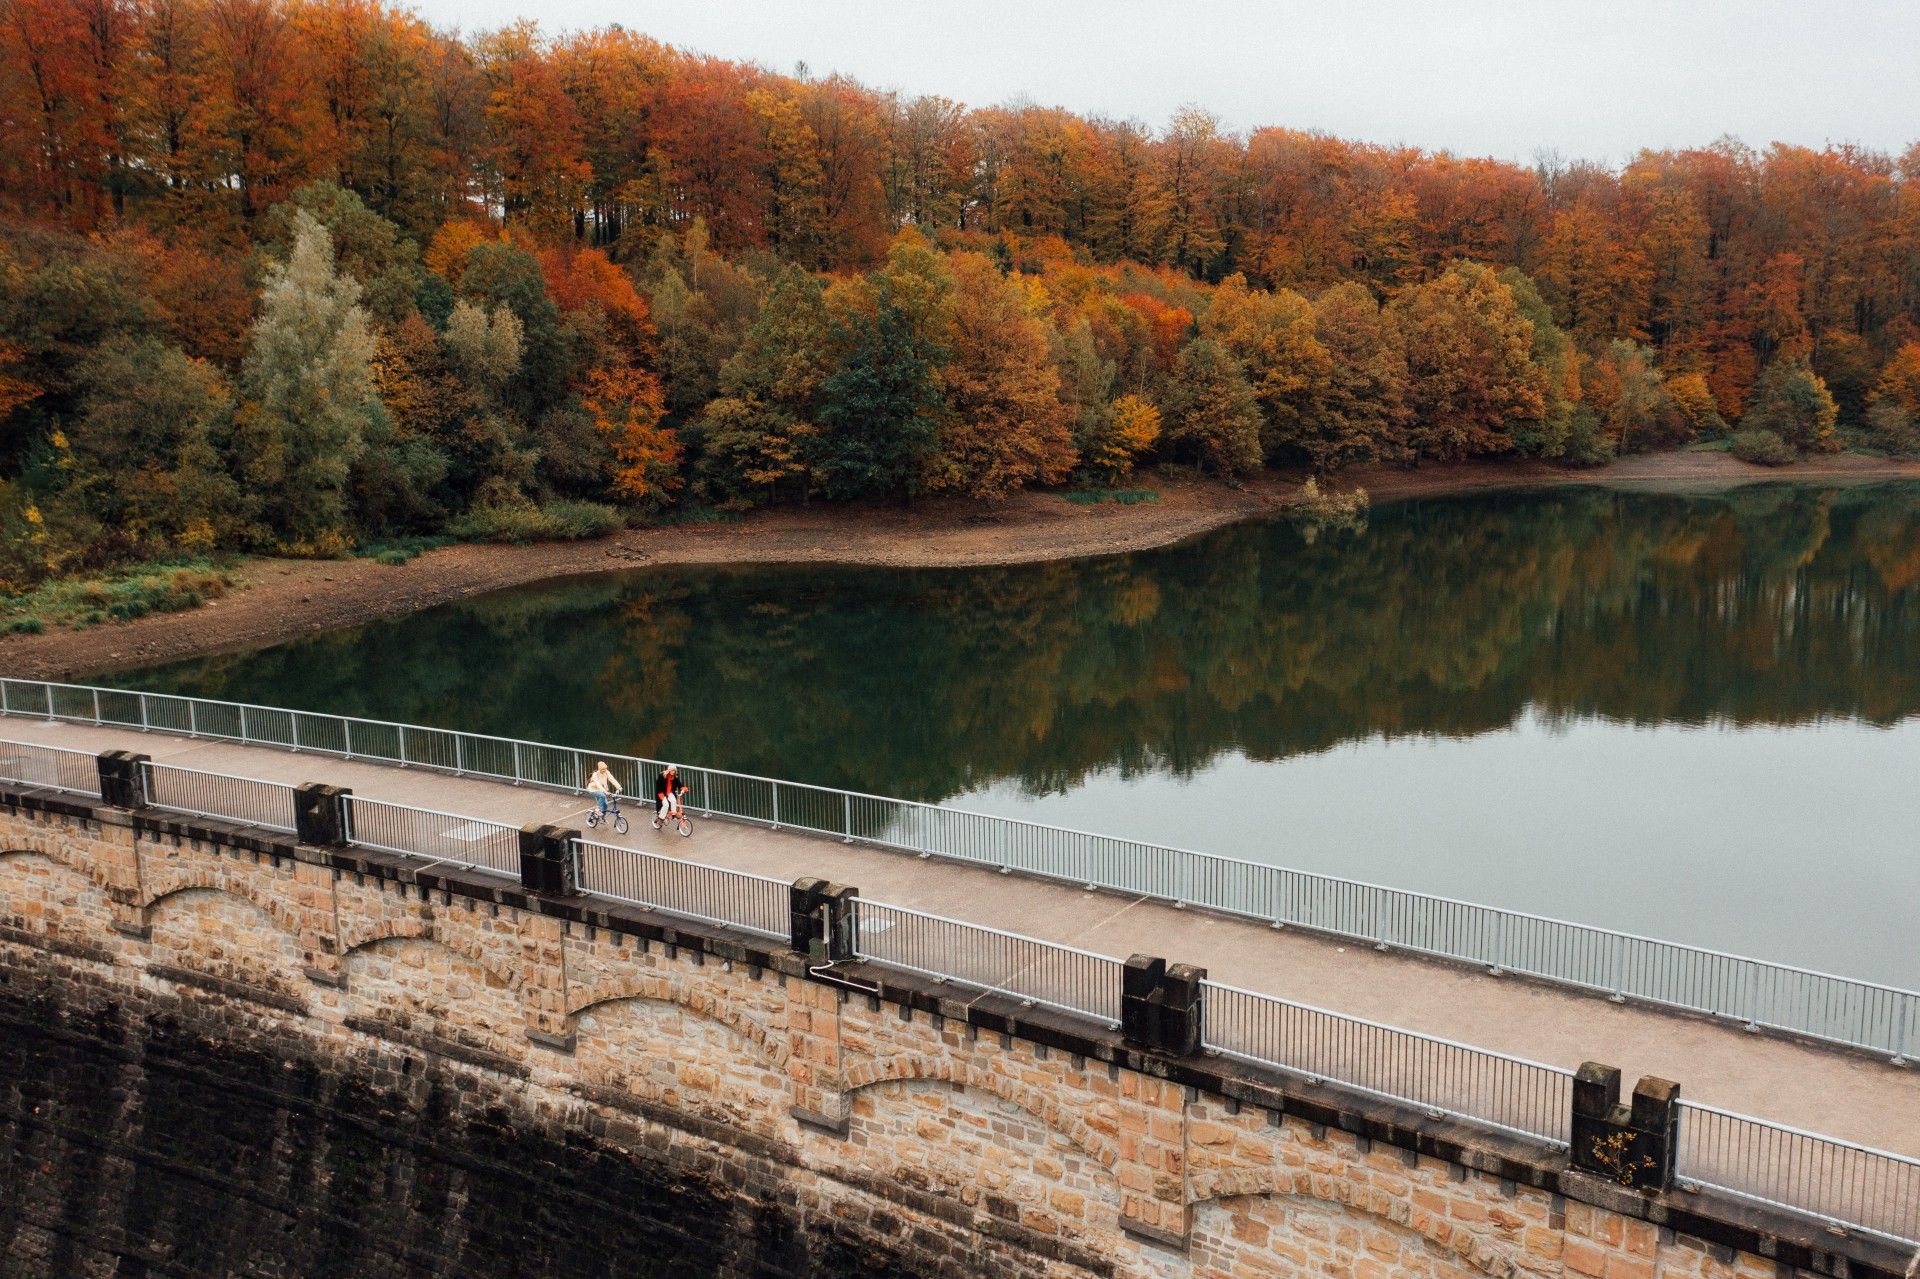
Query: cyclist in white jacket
(602, 784)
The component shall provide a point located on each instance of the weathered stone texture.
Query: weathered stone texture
(451, 1082)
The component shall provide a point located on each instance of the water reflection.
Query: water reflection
(1176, 682)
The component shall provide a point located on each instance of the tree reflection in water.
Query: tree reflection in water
(1765, 605)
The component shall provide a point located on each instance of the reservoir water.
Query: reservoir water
(1695, 716)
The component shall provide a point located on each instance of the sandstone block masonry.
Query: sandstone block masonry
(911, 1126)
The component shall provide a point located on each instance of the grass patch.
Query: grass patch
(554, 522)
(1125, 497)
(398, 550)
(119, 596)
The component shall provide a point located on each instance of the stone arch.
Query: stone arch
(54, 850)
(214, 882)
(408, 980)
(89, 903)
(701, 1003)
(697, 1058)
(940, 1067)
(220, 942)
(48, 855)
(1335, 1190)
(423, 930)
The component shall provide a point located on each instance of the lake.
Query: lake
(1692, 716)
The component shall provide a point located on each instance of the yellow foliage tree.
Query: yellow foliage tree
(1127, 430)
(627, 405)
(1694, 398)
(446, 254)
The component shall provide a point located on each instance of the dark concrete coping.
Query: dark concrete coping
(1711, 1217)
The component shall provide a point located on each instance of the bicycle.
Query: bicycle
(678, 818)
(613, 815)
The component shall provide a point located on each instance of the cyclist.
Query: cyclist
(667, 790)
(602, 784)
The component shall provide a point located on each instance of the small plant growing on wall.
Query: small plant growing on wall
(1613, 1152)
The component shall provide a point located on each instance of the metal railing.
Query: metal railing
(77, 772)
(1437, 1075)
(1033, 971)
(1759, 993)
(203, 794)
(1851, 1186)
(708, 893)
(1848, 1185)
(1842, 1010)
(439, 837)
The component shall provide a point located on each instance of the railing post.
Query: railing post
(193, 717)
(459, 754)
(96, 706)
(243, 724)
(145, 722)
(50, 715)
(821, 920)
(123, 779)
(776, 805)
(548, 860)
(846, 823)
(516, 762)
(320, 814)
(1162, 1005)
(1632, 1146)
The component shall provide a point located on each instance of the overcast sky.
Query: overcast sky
(1596, 80)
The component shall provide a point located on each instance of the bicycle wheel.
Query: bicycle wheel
(686, 828)
(593, 819)
(620, 825)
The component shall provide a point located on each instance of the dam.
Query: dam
(510, 1042)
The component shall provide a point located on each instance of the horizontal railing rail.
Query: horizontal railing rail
(54, 767)
(1437, 1075)
(1848, 1185)
(708, 893)
(439, 837)
(1033, 971)
(203, 794)
(1758, 993)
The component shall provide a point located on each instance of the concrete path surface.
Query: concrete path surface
(1856, 1098)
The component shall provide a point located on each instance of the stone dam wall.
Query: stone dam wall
(226, 1052)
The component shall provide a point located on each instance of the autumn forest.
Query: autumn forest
(303, 276)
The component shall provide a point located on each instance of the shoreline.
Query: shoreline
(280, 599)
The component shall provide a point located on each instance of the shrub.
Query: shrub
(1316, 511)
(26, 626)
(1763, 448)
(554, 522)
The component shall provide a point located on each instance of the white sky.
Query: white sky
(1595, 80)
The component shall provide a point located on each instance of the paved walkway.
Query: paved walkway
(1839, 1094)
